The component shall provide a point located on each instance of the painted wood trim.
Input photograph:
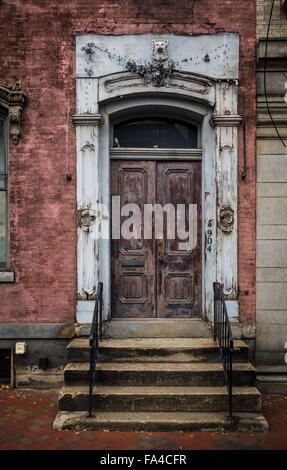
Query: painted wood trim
(155, 154)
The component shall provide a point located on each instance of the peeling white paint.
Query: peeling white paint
(113, 91)
(187, 52)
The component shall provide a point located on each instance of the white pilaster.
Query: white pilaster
(226, 122)
(87, 136)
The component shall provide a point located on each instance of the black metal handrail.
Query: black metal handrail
(223, 333)
(95, 337)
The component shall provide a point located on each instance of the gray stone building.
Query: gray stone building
(271, 257)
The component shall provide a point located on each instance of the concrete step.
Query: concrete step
(112, 398)
(155, 350)
(276, 385)
(157, 328)
(151, 328)
(272, 379)
(276, 369)
(169, 374)
(161, 421)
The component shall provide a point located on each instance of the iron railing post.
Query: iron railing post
(230, 382)
(223, 334)
(101, 312)
(95, 338)
(91, 381)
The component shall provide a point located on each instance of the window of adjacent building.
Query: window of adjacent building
(155, 133)
(3, 190)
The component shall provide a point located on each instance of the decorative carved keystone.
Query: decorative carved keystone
(153, 73)
(13, 98)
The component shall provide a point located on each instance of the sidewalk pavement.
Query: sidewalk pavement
(26, 419)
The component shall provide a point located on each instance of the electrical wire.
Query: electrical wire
(265, 68)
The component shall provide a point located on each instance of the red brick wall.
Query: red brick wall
(38, 47)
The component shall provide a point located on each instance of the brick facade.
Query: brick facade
(38, 47)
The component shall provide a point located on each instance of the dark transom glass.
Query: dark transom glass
(155, 133)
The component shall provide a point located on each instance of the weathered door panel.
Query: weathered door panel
(179, 271)
(133, 260)
(154, 277)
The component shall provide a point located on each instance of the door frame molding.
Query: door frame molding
(213, 106)
(155, 154)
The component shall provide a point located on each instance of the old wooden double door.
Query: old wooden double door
(152, 277)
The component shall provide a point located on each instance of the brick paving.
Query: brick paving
(26, 418)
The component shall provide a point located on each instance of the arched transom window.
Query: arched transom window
(155, 133)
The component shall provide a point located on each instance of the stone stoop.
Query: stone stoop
(272, 379)
(158, 384)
